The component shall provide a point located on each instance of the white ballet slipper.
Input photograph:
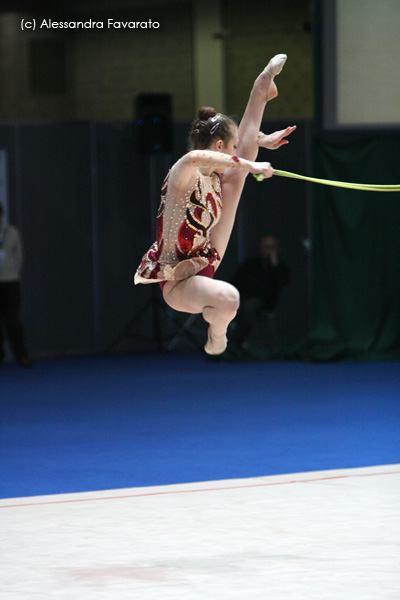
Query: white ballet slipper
(275, 65)
(216, 344)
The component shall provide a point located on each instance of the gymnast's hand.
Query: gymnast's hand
(275, 140)
(262, 169)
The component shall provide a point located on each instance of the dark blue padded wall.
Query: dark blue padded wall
(279, 206)
(50, 196)
(122, 199)
(85, 202)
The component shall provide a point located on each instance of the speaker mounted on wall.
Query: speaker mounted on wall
(153, 123)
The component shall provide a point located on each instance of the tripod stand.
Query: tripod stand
(151, 311)
(162, 342)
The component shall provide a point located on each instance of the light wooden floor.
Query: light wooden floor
(320, 535)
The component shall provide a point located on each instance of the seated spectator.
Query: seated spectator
(259, 280)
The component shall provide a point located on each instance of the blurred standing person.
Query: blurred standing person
(10, 293)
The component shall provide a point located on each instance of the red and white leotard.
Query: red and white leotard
(183, 247)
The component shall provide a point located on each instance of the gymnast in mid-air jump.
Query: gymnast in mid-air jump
(199, 199)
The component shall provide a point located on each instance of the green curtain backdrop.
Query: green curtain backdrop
(355, 311)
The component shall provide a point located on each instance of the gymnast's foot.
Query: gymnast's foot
(265, 81)
(275, 65)
(216, 344)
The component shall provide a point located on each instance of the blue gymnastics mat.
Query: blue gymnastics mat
(93, 423)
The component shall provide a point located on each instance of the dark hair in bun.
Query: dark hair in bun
(210, 126)
(206, 112)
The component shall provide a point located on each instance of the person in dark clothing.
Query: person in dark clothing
(259, 280)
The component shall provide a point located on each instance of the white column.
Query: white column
(208, 55)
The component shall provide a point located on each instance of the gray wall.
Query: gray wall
(105, 69)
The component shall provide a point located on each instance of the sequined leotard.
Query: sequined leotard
(183, 246)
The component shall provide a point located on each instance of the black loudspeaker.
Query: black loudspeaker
(153, 123)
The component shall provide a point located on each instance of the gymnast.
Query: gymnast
(199, 199)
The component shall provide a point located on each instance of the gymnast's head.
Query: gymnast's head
(213, 131)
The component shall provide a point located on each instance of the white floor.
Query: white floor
(323, 535)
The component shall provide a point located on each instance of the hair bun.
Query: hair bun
(208, 127)
(206, 112)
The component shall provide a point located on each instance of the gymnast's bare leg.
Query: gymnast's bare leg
(217, 301)
(264, 89)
